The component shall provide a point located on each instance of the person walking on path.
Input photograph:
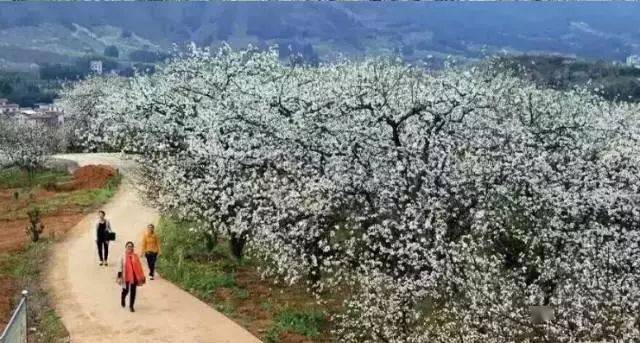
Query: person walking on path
(130, 276)
(103, 227)
(151, 248)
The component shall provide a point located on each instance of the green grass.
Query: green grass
(51, 326)
(240, 293)
(84, 199)
(235, 288)
(90, 197)
(202, 280)
(25, 268)
(177, 241)
(308, 323)
(15, 178)
(266, 305)
(177, 263)
(226, 307)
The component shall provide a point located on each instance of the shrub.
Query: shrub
(35, 227)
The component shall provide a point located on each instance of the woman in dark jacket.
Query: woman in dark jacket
(103, 227)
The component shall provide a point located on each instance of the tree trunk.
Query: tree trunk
(237, 244)
(212, 239)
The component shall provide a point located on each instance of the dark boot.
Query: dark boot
(123, 296)
(132, 296)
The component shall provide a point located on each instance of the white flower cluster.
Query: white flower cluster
(447, 204)
(28, 145)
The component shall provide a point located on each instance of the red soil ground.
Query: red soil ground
(87, 177)
(13, 234)
(93, 176)
(7, 290)
(249, 311)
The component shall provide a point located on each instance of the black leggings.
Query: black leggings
(132, 299)
(151, 260)
(103, 250)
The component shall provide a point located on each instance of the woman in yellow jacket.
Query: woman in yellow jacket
(151, 248)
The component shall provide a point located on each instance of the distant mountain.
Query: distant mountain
(612, 82)
(33, 33)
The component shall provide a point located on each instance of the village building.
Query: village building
(96, 67)
(44, 113)
(7, 108)
(633, 61)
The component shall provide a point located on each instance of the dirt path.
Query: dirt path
(87, 297)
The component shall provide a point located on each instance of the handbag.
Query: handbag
(111, 236)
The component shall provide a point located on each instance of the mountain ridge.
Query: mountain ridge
(418, 32)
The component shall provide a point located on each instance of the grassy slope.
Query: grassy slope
(273, 312)
(14, 178)
(25, 268)
(55, 43)
(612, 82)
(22, 187)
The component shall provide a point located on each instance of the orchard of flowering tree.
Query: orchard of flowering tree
(444, 204)
(28, 145)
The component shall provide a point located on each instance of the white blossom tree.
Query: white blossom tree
(447, 203)
(27, 145)
(89, 113)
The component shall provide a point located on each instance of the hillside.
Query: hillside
(613, 82)
(47, 42)
(422, 32)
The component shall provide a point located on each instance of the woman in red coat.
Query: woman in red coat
(130, 275)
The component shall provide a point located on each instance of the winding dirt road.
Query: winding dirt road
(87, 297)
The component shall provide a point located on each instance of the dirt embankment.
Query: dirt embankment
(58, 200)
(87, 177)
(7, 290)
(93, 176)
(62, 213)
